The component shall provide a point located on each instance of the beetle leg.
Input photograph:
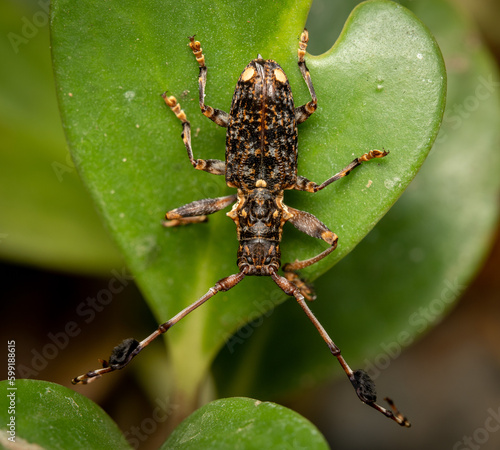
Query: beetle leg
(303, 184)
(304, 111)
(197, 211)
(123, 353)
(360, 380)
(216, 115)
(311, 225)
(213, 166)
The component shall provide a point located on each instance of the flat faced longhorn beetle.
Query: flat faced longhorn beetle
(261, 163)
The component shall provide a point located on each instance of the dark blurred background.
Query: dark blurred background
(50, 275)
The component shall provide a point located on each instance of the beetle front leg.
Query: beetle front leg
(124, 352)
(360, 380)
(303, 184)
(197, 211)
(213, 166)
(311, 225)
(216, 115)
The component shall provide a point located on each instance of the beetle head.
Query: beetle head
(258, 257)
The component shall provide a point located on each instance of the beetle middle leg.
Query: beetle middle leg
(311, 225)
(197, 211)
(303, 184)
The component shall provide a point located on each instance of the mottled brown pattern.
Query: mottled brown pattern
(261, 140)
(261, 162)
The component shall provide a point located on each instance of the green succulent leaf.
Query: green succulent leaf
(244, 423)
(39, 414)
(381, 86)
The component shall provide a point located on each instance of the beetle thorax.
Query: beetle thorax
(259, 216)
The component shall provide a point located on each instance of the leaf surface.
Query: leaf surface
(381, 85)
(244, 423)
(48, 415)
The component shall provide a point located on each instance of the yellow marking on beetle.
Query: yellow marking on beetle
(175, 107)
(280, 75)
(261, 183)
(248, 73)
(328, 236)
(281, 206)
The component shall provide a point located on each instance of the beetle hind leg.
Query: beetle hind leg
(303, 112)
(213, 166)
(218, 116)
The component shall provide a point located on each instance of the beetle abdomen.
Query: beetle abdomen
(261, 140)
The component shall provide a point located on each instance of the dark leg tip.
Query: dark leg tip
(398, 417)
(364, 385)
(122, 352)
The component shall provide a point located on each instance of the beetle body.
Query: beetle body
(261, 163)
